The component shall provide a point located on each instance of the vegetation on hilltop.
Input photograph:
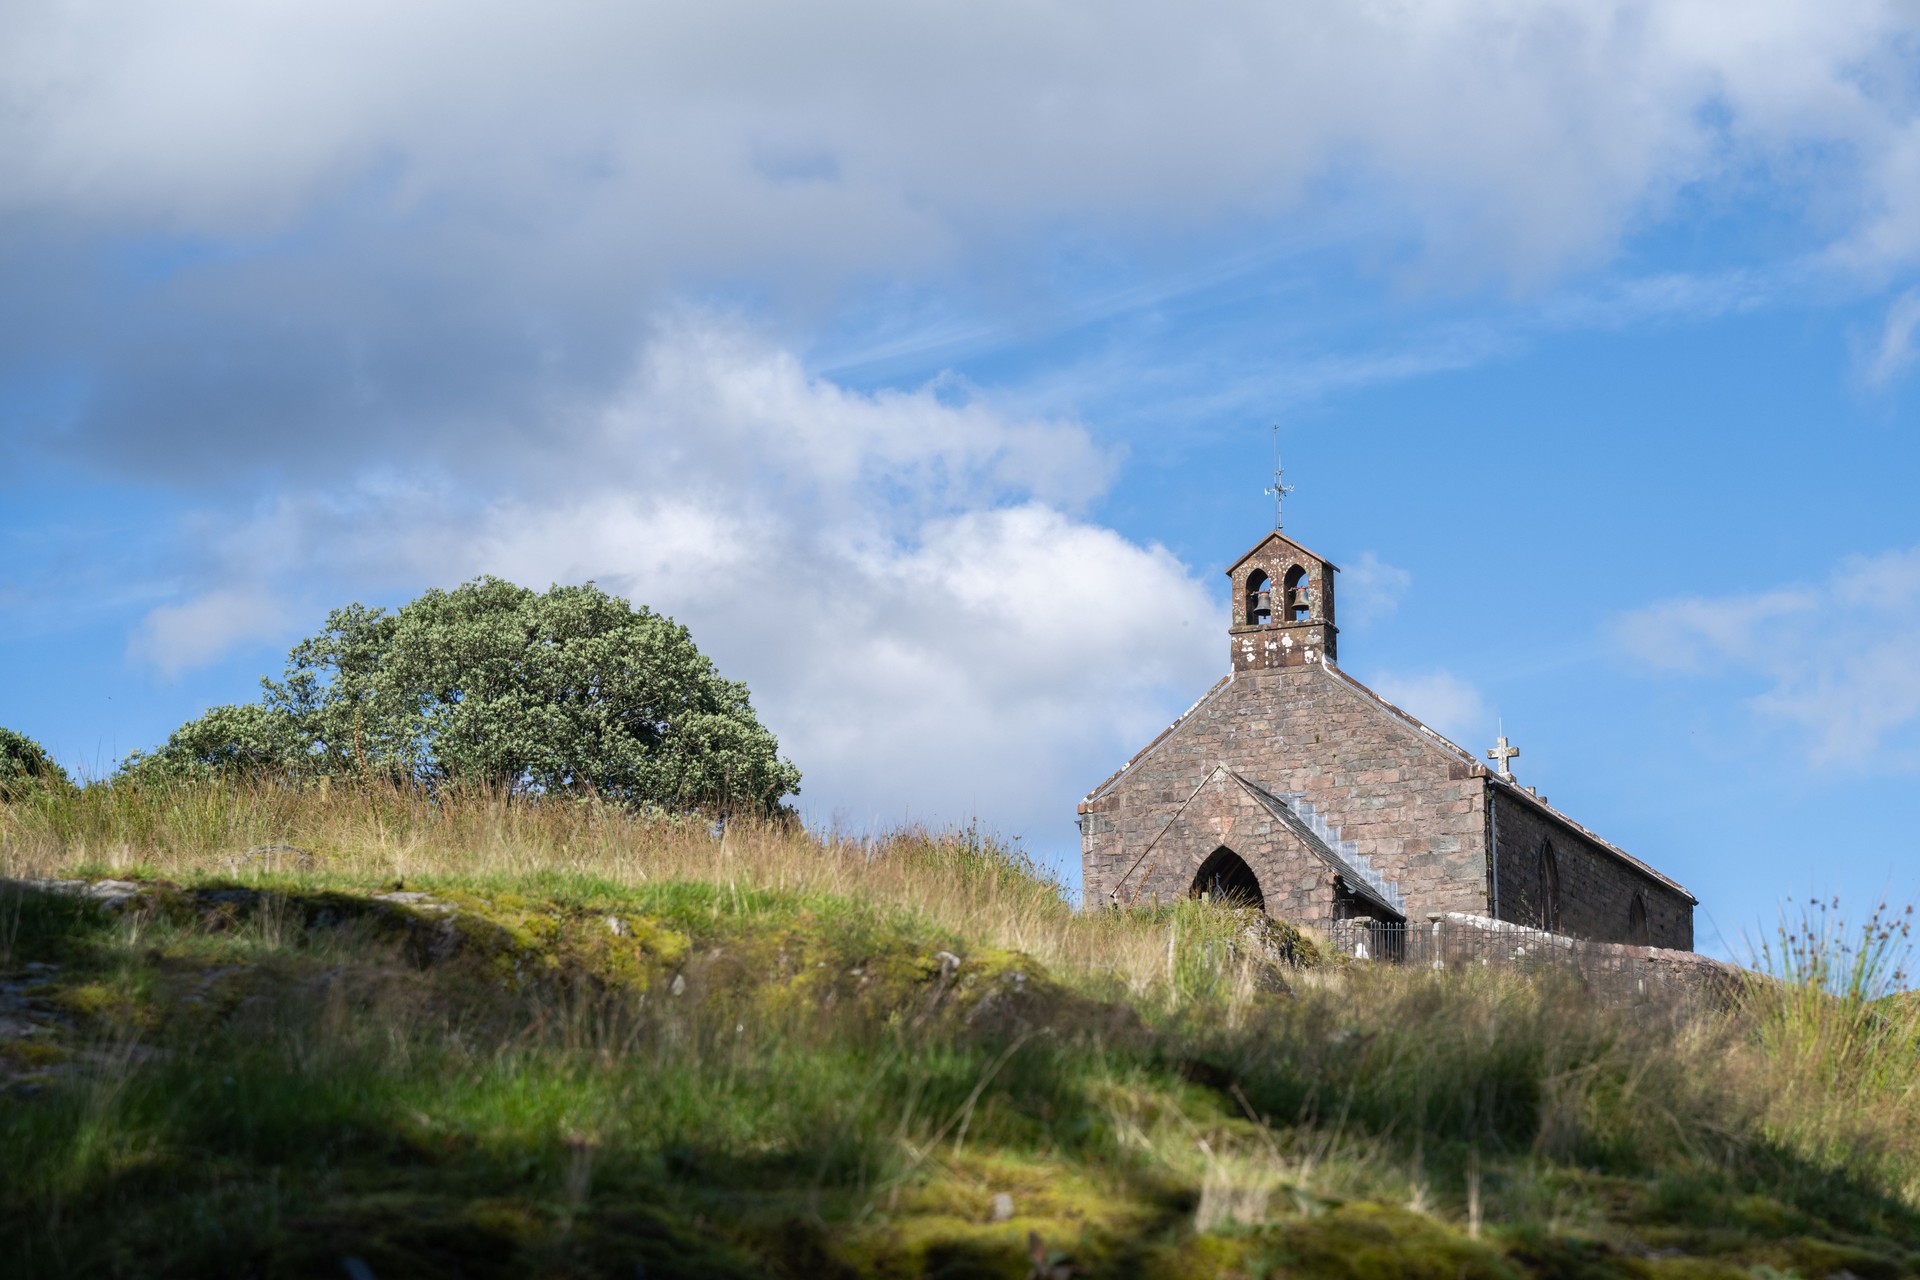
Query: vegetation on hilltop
(494, 685)
(24, 763)
(361, 1029)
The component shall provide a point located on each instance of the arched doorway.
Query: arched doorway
(1225, 877)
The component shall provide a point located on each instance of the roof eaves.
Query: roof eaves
(1480, 770)
(1518, 792)
(1145, 751)
(1248, 554)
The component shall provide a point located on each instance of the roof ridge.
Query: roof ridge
(1511, 787)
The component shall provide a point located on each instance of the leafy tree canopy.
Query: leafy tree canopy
(569, 691)
(25, 763)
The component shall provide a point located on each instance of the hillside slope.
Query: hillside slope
(463, 1039)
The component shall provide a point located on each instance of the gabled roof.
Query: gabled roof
(1277, 536)
(1439, 741)
(1294, 823)
(1159, 738)
(1506, 788)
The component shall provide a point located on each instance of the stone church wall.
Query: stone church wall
(1296, 883)
(1596, 886)
(1412, 808)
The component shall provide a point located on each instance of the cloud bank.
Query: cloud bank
(902, 578)
(243, 237)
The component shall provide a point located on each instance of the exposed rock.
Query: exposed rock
(424, 903)
(111, 894)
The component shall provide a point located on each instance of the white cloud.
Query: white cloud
(1840, 660)
(899, 577)
(1437, 698)
(847, 135)
(1371, 589)
(179, 637)
(1895, 351)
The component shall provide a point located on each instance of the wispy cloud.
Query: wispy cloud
(1894, 354)
(1450, 704)
(477, 239)
(1371, 589)
(173, 638)
(1838, 660)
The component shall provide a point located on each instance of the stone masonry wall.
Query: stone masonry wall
(1617, 972)
(1297, 883)
(1596, 886)
(1413, 808)
(1282, 642)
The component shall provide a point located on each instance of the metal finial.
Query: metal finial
(1279, 490)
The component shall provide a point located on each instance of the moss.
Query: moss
(1377, 1242)
(774, 1085)
(1194, 1258)
(506, 1219)
(1690, 1269)
(102, 1003)
(34, 1054)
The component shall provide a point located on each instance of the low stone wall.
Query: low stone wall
(1617, 972)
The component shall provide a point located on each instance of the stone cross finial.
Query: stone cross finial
(1504, 752)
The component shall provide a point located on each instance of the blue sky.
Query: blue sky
(923, 361)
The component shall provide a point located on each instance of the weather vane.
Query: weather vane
(1278, 491)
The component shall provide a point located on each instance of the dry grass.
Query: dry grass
(1457, 1098)
(377, 833)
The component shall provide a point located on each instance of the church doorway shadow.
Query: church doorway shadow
(1226, 877)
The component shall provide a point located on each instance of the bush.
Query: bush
(494, 685)
(24, 763)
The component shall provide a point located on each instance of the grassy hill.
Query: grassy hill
(473, 1039)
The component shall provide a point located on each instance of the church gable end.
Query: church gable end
(1408, 805)
(1232, 839)
(1400, 815)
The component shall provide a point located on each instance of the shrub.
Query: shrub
(494, 685)
(24, 763)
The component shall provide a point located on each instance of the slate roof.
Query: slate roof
(1268, 537)
(1356, 882)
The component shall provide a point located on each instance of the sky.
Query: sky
(924, 361)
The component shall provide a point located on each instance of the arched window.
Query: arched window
(1225, 877)
(1637, 930)
(1549, 889)
(1259, 610)
(1299, 597)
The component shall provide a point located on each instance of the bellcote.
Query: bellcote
(1282, 606)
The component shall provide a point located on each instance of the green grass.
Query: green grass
(637, 1049)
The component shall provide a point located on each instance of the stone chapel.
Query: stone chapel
(1292, 786)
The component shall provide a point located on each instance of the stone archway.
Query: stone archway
(1226, 877)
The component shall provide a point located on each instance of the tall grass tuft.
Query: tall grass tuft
(1838, 1040)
